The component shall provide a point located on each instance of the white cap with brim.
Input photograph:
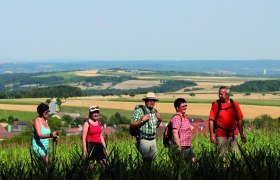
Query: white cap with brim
(93, 109)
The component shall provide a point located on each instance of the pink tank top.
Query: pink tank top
(93, 134)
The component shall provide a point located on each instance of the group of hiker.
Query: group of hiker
(225, 121)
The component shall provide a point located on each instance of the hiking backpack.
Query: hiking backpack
(217, 114)
(167, 139)
(136, 131)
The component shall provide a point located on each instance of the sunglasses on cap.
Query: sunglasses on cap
(94, 109)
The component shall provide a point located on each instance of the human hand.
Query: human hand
(213, 139)
(146, 117)
(158, 116)
(54, 136)
(179, 149)
(85, 153)
(106, 152)
(243, 138)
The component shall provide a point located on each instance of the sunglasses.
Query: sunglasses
(91, 110)
(95, 112)
(150, 100)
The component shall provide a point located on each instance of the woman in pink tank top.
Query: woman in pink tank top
(94, 146)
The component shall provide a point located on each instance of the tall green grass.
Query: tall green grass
(260, 160)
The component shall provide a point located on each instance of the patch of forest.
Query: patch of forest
(258, 86)
(53, 91)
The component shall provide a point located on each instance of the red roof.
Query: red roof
(108, 130)
(2, 129)
(6, 135)
(200, 127)
(73, 130)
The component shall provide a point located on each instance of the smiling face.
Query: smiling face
(150, 103)
(182, 108)
(223, 95)
(94, 115)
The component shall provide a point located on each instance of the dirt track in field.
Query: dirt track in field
(31, 108)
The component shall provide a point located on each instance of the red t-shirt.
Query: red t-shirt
(93, 134)
(226, 118)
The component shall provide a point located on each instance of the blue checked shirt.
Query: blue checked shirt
(148, 129)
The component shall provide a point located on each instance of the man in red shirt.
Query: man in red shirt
(223, 121)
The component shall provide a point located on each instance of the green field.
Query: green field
(21, 115)
(65, 75)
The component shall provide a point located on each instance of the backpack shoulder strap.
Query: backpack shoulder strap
(143, 109)
(166, 130)
(219, 108)
(234, 108)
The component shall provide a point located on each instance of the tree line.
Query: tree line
(53, 91)
(258, 86)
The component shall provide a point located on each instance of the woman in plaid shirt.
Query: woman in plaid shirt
(182, 130)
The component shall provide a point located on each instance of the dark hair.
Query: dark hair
(178, 102)
(42, 108)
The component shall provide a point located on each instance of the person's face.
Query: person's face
(46, 114)
(94, 115)
(223, 95)
(150, 103)
(182, 108)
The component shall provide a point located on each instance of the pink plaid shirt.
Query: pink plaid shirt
(184, 129)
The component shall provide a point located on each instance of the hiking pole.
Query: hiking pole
(54, 146)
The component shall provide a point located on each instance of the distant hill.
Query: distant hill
(238, 67)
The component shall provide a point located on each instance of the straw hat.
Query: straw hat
(150, 96)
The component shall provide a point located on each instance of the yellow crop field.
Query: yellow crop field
(87, 73)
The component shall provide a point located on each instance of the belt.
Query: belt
(147, 138)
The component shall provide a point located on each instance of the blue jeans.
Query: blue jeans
(186, 153)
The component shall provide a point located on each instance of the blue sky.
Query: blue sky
(136, 30)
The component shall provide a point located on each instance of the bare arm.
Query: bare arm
(103, 143)
(84, 135)
(211, 130)
(240, 128)
(37, 129)
(159, 119)
(177, 139)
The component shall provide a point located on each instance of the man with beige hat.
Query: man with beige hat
(147, 122)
